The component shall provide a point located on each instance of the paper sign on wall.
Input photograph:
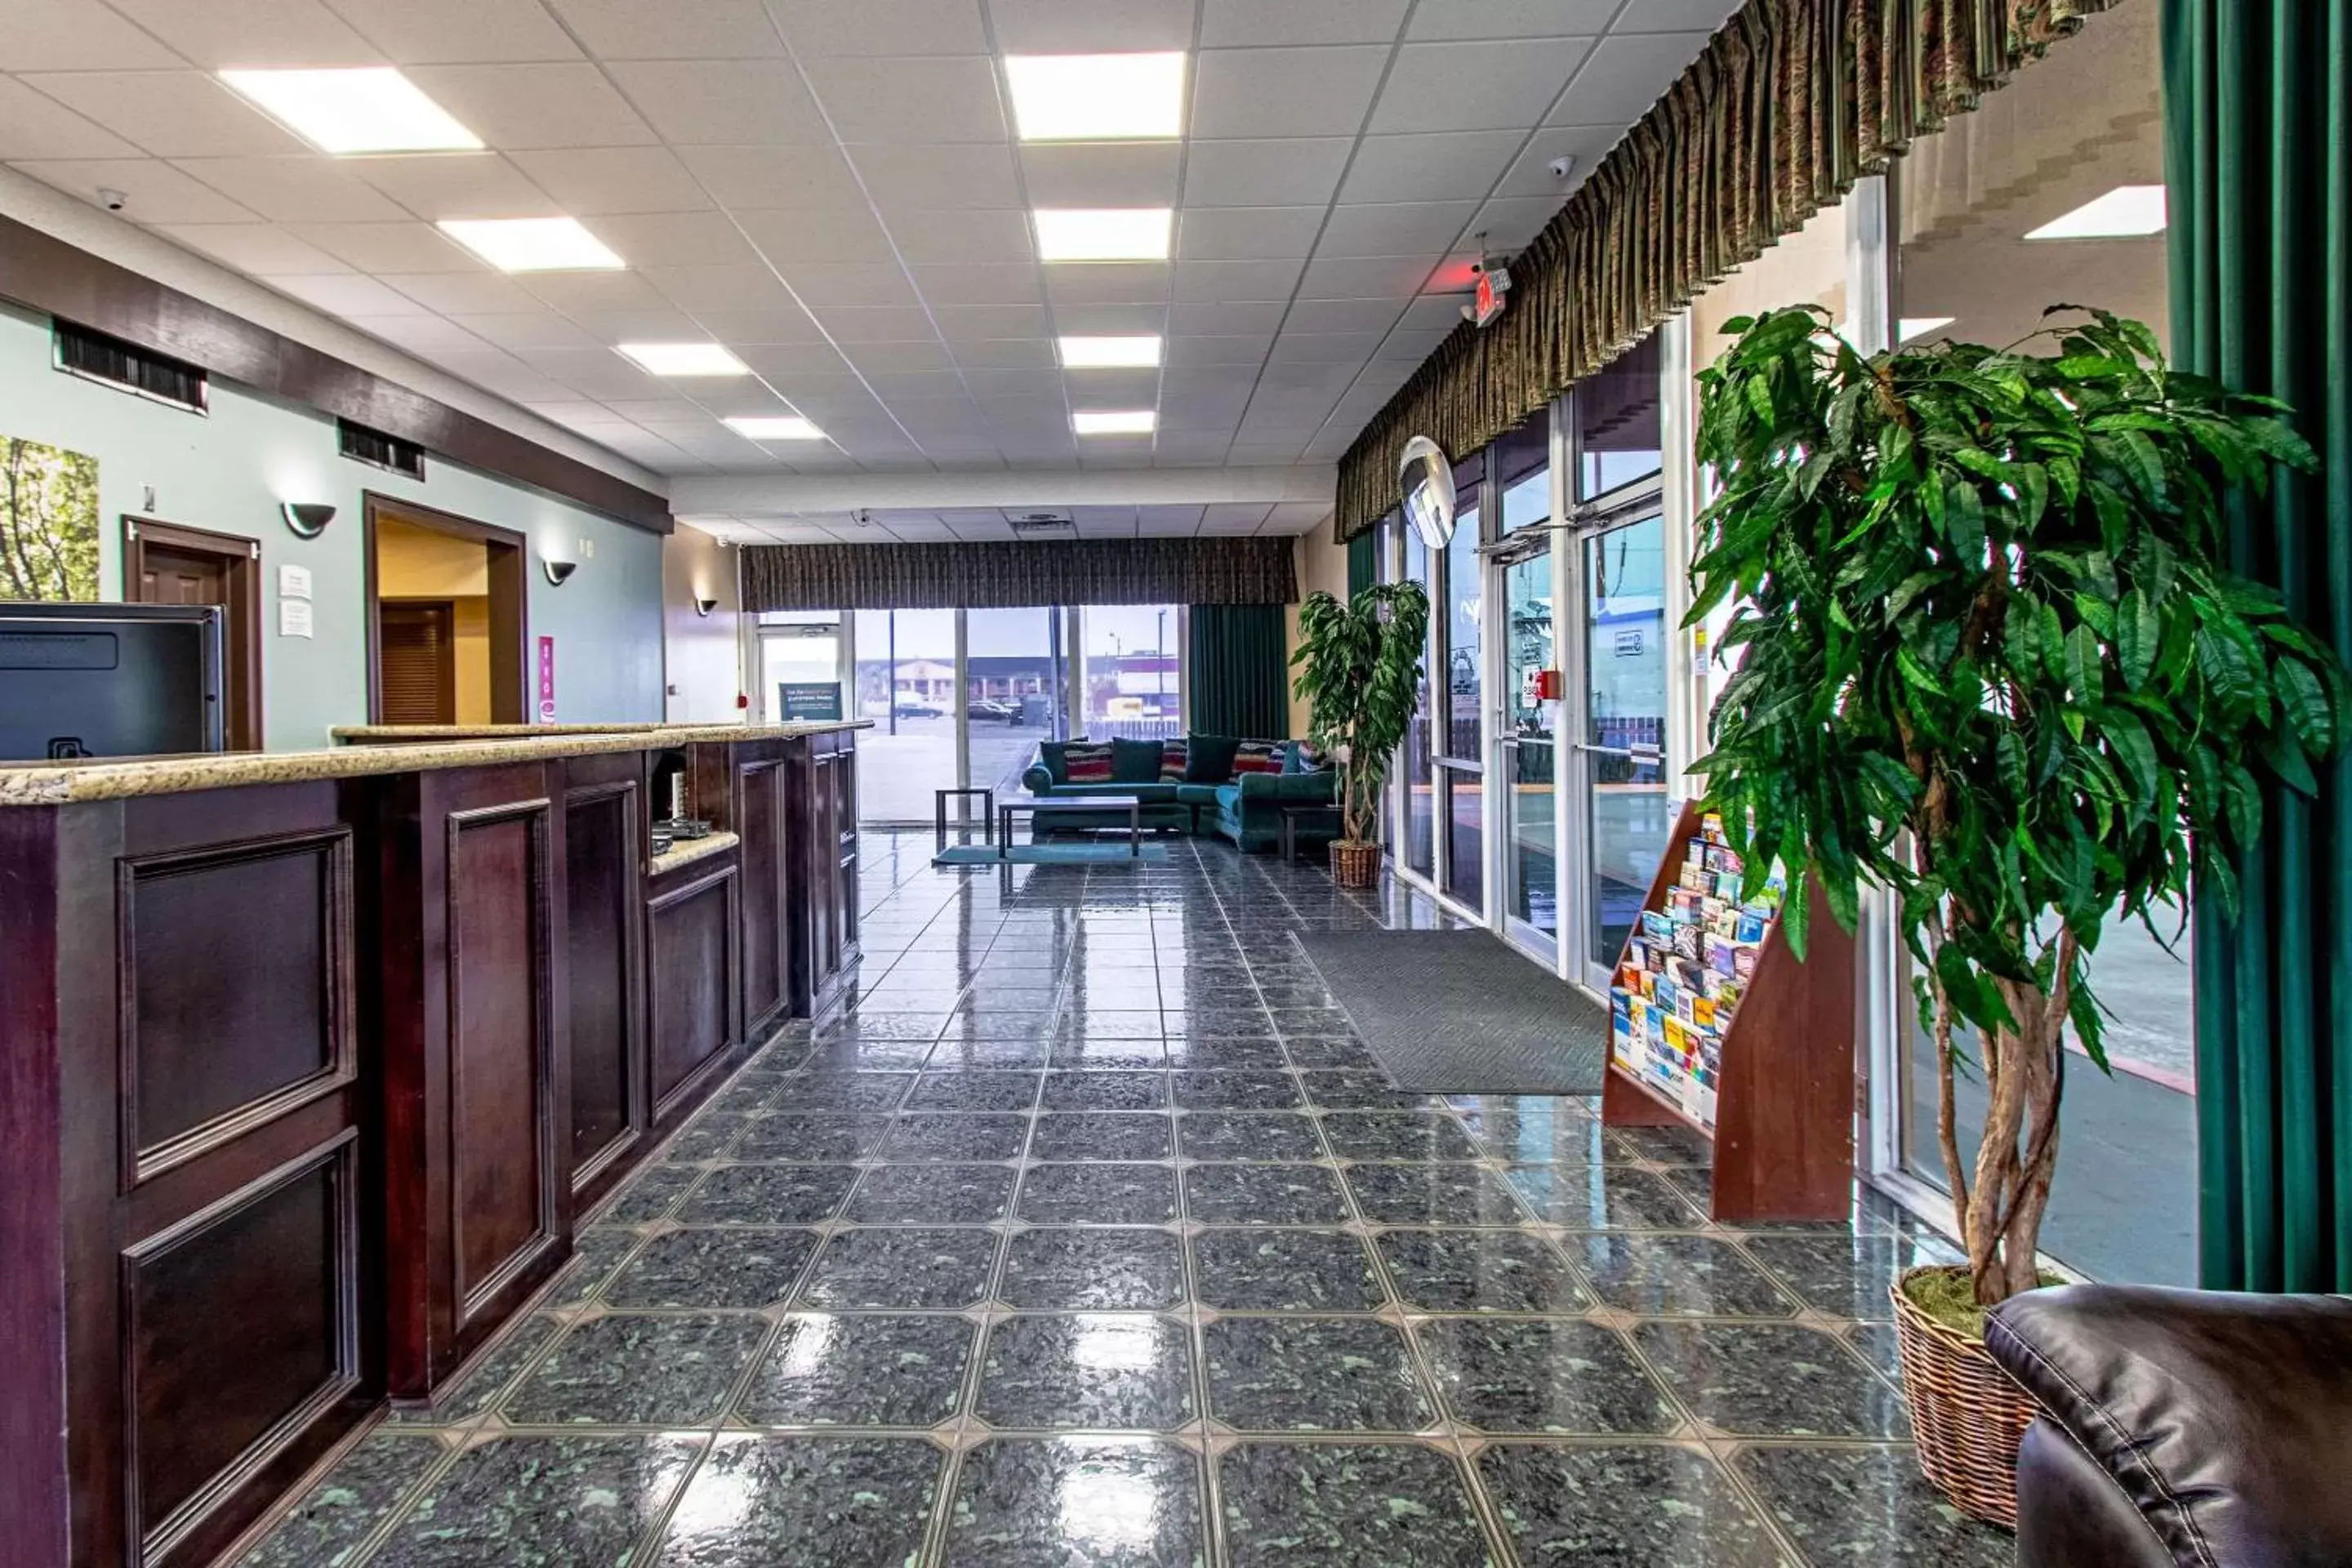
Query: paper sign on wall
(547, 680)
(293, 582)
(294, 617)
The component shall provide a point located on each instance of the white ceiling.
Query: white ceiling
(830, 188)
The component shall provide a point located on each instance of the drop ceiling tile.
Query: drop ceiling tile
(462, 293)
(1189, 318)
(821, 27)
(76, 34)
(1119, 282)
(876, 323)
(1628, 73)
(1005, 354)
(450, 32)
(1235, 282)
(577, 294)
(158, 193)
(789, 360)
(1411, 345)
(1303, 172)
(1397, 278)
(781, 177)
(962, 323)
(1509, 223)
(1476, 86)
(1243, 349)
(500, 373)
(723, 102)
(1450, 166)
(742, 287)
(823, 283)
(1308, 343)
(979, 283)
(598, 373)
(457, 186)
(1297, 516)
(1112, 388)
(174, 114)
(1211, 382)
(839, 235)
(1431, 312)
(890, 384)
(259, 248)
(593, 181)
(222, 33)
(677, 239)
(785, 325)
(298, 189)
(673, 30)
(933, 178)
(1102, 174)
(419, 334)
(1228, 514)
(1530, 173)
(1168, 519)
(347, 294)
(407, 246)
(1676, 15)
(1098, 27)
(527, 330)
(650, 326)
(1397, 229)
(1434, 19)
(905, 99)
(990, 385)
(1244, 456)
(518, 107)
(1283, 92)
(32, 125)
(1127, 321)
(1246, 234)
(965, 234)
(1250, 22)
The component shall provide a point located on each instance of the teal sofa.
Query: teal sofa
(1246, 808)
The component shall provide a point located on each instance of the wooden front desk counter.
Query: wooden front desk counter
(307, 1060)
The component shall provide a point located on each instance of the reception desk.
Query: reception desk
(308, 1061)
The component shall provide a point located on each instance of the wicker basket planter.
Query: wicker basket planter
(1968, 1415)
(1354, 864)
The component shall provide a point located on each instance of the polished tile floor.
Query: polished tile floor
(1091, 1239)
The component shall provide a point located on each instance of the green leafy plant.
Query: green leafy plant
(1994, 659)
(1359, 672)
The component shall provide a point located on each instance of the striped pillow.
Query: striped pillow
(1259, 757)
(1175, 756)
(1088, 761)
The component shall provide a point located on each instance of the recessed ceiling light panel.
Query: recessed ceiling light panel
(1115, 421)
(1087, 353)
(2126, 212)
(1096, 98)
(1103, 234)
(534, 244)
(776, 428)
(684, 359)
(368, 110)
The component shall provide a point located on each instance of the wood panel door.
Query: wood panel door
(603, 903)
(416, 652)
(166, 564)
(691, 963)
(763, 821)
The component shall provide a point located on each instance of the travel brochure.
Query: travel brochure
(1685, 969)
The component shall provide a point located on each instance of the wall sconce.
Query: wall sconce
(704, 606)
(559, 572)
(308, 518)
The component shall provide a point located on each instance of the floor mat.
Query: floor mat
(1458, 1012)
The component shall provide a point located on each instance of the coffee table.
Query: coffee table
(1128, 806)
(940, 798)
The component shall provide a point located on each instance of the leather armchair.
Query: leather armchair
(2181, 1429)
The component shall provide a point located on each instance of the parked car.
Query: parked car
(910, 706)
(989, 708)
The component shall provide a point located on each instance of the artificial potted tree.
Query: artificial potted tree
(1359, 672)
(1992, 657)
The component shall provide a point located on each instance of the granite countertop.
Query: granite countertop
(65, 784)
(686, 851)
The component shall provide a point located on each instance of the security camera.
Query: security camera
(115, 200)
(1561, 168)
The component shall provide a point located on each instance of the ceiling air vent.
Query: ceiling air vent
(1042, 524)
(94, 356)
(379, 450)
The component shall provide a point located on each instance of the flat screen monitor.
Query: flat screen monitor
(109, 680)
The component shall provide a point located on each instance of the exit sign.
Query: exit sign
(1494, 288)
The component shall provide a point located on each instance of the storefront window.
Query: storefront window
(1414, 780)
(1134, 677)
(1615, 420)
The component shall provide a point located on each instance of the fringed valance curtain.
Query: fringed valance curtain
(1011, 576)
(1790, 102)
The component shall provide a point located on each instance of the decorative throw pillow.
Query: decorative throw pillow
(1259, 757)
(1174, 755)
(1209, 758)
(1134, 762)
(1306, 759)
(1088, 762)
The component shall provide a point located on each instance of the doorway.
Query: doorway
(165, 564)
(1619, 736)
(1528, 766)
(446, 629)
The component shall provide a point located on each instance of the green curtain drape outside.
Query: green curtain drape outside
(1239, 671)
(2258, 115)
(1363, 566)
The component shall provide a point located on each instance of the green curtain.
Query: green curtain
(1363, 566)
(1239, 671)
(1018, 574)
(2258, 114)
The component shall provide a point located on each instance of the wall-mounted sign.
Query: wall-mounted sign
(809, 702)
(547, 680)
(1427, 479)
(1629, 643)
(1494, 288)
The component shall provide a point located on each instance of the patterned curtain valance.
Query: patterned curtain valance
(1009, 576)
(1789, 103)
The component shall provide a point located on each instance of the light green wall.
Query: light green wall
(228, 470)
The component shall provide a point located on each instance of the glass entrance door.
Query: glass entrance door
(1620, 731)
(1017, 683)
(1530, 748)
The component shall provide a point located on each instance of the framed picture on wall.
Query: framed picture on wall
(48, 523)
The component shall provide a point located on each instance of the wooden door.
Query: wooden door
(416, 650)
(164, 564)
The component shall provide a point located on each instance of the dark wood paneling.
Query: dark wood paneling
(265, 1281)
(690, 969)
(227, 1023)
(823, 804)
(609, 1111)
(760, 821)
(47, 274)
(154, 554)
(502, 1137)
